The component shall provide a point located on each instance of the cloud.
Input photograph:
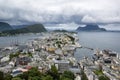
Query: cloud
(60, 11)
(111, 26)
(66, 26)
(88, 19)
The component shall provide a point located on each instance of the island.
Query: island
(90, 27)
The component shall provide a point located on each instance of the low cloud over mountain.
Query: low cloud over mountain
(60, 11)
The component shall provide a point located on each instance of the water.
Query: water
(19, 39)
(97, 40)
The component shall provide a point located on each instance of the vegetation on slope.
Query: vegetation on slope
(36, 28)
(35, 74)
(5, 26)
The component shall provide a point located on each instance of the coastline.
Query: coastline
(55, 48)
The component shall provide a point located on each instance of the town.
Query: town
(57, 48)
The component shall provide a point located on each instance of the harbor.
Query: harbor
(59, 49)
(51, 49)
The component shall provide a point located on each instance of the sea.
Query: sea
(95, 40)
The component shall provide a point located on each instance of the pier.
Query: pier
(85, 47)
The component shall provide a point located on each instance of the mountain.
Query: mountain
(90, 27)
(5, 26)
(19, 26)
(35, 28)
(60, 30)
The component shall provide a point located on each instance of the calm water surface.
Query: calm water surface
(96, 40)
(20, 39)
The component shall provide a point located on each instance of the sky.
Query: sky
(64, 14)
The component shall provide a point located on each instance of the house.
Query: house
(112, 54)
(12, 63)
(78, 77)
(108, 60)
(23, 60)
(75, 70)
(5, 59)
(62, 65)
(16, 72)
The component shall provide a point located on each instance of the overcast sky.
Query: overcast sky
(68, 14)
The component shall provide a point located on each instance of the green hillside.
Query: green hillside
(36, 28)
(5, 26)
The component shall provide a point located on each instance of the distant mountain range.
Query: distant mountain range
(19, 26)
(35, 28)
(5, 26)
(90, 27)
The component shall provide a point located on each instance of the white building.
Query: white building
(4, 59)
(62, 65)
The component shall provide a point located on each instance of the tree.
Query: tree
(54, 69)
(83, 77)
(34, 78)
(54, 72)
(16, 78)
(1, 75)
(103, 78)
(67, 75)
(48, 77)
(100, 67)
(14, 55)
(34, 72)
(64, 78)
(24, 76)
(7, 77)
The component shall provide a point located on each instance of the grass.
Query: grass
(98, 72)
(101, 75)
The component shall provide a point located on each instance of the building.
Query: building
(23, 60)
(62, 65)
